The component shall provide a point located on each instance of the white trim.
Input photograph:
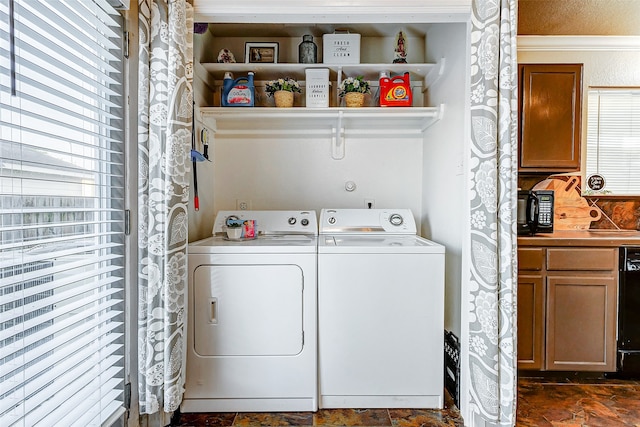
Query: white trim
(578, 43)
(333, 11)
(464, 403)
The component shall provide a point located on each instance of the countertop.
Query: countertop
(601, 238)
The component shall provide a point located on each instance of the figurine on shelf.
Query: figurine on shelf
(400, 54)
(226, 56)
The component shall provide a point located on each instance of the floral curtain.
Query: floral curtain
(165, 113)
(493, 276)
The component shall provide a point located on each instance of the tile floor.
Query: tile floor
(569, 401)
(578, 402)
(447, 417)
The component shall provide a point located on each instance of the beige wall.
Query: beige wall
(579, 17)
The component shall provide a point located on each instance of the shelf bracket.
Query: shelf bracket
(434, 75)
(438, 115)
(337, 140)
(212, 126)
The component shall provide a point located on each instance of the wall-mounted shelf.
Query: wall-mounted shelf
(428, 73)
(302, 120)
(336, 123)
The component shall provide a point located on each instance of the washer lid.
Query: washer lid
(367, 244)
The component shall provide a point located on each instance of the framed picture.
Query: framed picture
(264, 53)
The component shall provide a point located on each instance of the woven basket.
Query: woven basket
(354, 99)
(283, 98)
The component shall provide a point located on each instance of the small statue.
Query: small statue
(226, 56)
(400, 54)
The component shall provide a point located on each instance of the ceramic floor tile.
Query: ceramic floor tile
(351, 417)
(593, 405)
(425, 418)
(250, 419)
(206, 419)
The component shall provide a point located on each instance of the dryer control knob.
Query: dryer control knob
(304, 222)
(332, 220)
(396, 219)
(292, 220)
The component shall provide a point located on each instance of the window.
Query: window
(613, 141)
(61, 213)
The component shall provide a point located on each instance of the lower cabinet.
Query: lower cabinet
(567, 301)
(531, 322)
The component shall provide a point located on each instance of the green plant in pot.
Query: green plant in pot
(282, 91)
(234, 230)
(353, 89)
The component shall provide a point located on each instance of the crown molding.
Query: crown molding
(578, 43)
(332, 11)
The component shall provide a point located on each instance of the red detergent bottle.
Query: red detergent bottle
(396, 91)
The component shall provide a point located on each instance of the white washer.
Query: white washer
(252, 317)
(380, 311)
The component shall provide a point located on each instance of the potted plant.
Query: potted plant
(282, 91)
(353, 89)
(234, 230)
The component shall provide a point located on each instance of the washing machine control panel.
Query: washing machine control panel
(356, 221)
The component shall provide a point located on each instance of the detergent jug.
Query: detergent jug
(396, 91)
(239, 92)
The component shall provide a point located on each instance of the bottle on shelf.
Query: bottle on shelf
(383, 75)
(239, 92)
(307, 50)
(396, 91)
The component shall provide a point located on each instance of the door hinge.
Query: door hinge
(125, 41)
(127, 396)
(127, 222)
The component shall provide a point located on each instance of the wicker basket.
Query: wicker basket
(354, 99)
(283, 98)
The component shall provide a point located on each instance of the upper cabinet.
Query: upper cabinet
(549, 113)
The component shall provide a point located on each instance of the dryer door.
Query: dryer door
(248, 310)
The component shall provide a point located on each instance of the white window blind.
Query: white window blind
(613, 139)
(61, 213)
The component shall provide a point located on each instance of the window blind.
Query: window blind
(613, 139)
(61, 213)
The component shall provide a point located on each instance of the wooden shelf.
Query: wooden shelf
(272, 120)
(336, 123)
(428, 73)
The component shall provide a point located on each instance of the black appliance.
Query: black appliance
(535, 211)
(628, 361)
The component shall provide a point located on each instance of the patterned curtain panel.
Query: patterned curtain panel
(492, 320)
(165, 113)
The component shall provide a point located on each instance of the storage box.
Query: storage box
(317, 87)
(341, 48)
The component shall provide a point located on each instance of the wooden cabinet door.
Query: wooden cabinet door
(581, 323)
(549, 115)
(530, 321)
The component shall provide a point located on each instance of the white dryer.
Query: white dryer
(252, 318)
(380, 311)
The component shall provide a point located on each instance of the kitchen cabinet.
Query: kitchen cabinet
(549, 113)
(531, 304)
(567, 299)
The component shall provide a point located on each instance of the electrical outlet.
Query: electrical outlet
(243, 204)
(369, 203)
